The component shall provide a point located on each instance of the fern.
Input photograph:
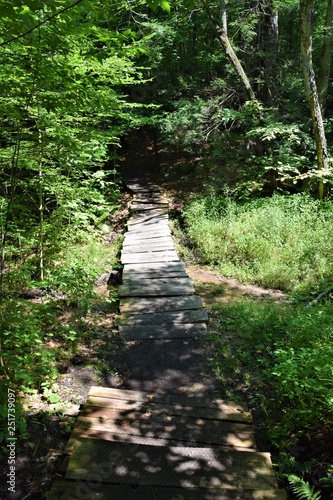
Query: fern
(302, 489)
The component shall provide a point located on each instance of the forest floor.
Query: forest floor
(100, 362)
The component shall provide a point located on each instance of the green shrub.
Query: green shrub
(281, 355)
(281, 242)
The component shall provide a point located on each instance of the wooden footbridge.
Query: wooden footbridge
(165, 434)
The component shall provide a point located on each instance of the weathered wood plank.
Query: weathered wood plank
(172, 427)
(147, 257)
(170, 399)
(167, 418)
(142, 206)
(145, 233)
(98, 407)
(130, 240)
(170, 466)
(149, 197)
(148, 213)
(150, 226)
(166, 247)
(154, 266)
(179, 331)
(153, 227)
(172, 317)
(72, 490)
(139, 188)
(155, 274)
(150, 190)
(158, 287)
(152, 247)
(159, 304)
(79, 433)
(157, 216)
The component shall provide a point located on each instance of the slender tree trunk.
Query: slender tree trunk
(271, 43)
(306, 18)
(10, 194)
(41, 206)
(221, 28)
(326, 58)
(41, 226)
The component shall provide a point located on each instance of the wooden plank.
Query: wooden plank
(158, 304)
(153, 275)
(144, 248)
(170, 466)
(97, 406)
(148, 226)
(158, 287)
(178, 428)
(140, 188)
(144, 233)
(172, 317)
(142, 206)
(179, 331)
(147, 211)
(131, 240)
(170, 399)
(152, 247)
(154, 266)
(149, 198)
(170, 420)
(72, 490)
(153, 216)
(157, 216)
(153, 227)
(79, 433)
(149, 245)
(147, 257)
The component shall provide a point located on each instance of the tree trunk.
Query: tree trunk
(41, 205)
(326, 58)
(271, 50)
(9, 198)
(222, 33)
(306, 18)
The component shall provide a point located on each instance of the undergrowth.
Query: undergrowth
(280, 242)
(277, 356)
(37, 336)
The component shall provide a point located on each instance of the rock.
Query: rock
(34, 293)
(115, 277)
(102, 279)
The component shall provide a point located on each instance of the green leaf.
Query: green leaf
(165, 6)
(25, 9)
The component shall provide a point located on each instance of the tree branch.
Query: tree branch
(40, 24)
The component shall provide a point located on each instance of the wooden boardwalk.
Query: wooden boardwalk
(156, 442)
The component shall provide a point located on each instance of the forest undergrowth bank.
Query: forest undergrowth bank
(275, 354)
(59, 339)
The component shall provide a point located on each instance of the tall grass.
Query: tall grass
(280, 242)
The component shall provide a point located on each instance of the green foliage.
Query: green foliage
(34, 336)
(302, 489)
(279, 242)
(63, 110)
(282, 355)
(327, 482)
(26, 361)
